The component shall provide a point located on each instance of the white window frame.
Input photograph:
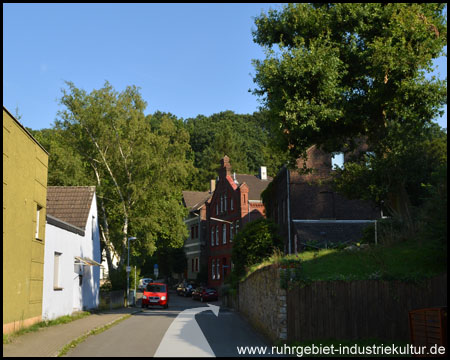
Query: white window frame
(56, 270)
(224, 233)
(38, 216)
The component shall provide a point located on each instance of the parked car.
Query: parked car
(186, 289)
(156, 294)
(205, 294)
(144, 282)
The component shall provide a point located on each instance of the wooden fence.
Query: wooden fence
(362, 309)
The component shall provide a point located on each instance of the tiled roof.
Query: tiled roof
(255, 184)
(70, 203)
(195, 199)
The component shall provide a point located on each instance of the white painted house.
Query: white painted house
(72, 251)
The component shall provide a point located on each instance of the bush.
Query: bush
(256, 242)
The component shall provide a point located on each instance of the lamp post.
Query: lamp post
(128, 268)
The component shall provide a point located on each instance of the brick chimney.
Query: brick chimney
(263, 173)
(225, 167)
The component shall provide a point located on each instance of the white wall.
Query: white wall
(59, 303)
(73, 297)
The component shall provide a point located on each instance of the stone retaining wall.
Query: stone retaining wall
(263, 302)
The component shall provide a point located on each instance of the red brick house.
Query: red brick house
(235, 202)
(309, 212)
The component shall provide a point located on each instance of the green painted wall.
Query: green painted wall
(25, 166)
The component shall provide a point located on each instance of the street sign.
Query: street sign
(128, 268)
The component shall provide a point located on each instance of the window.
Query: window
(231, 232)
(217, 207)
(337, 161)
(217, 235)
(192, 232)
(237, 226)
(92, 227)
(218, 269)
(231, 203)
(224, 234)
(225, 202)
(56, 286)
(38, 217)
(213, 269)
(221, 203)
(196, 264)
(212, 236)
(192, 265)
(196, 231)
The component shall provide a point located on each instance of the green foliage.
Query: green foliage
(139, 165)
(171, 260)
(338, 73)
(243, 138)
(433, 216)
(256, 242)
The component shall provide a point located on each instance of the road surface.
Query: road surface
(143, 333)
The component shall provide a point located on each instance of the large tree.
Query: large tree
(239, 136)
(139, 171)
(335, 73)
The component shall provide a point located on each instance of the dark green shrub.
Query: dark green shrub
(254, 243)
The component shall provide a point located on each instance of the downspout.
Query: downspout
(288, 209)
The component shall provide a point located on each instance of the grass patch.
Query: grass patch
(295, 347)
(96, 331)
(8, 338)
(405, 260)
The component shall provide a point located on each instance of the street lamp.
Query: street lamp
(128, 267)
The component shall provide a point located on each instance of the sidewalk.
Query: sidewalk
(49, 341)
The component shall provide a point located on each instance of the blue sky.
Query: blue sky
(188, 59)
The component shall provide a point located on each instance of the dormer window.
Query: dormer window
(337, 161)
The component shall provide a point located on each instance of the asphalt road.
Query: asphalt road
(141, 334)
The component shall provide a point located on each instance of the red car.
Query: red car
(155, 294)
(205, 294)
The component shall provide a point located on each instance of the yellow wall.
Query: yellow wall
(25, 166)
